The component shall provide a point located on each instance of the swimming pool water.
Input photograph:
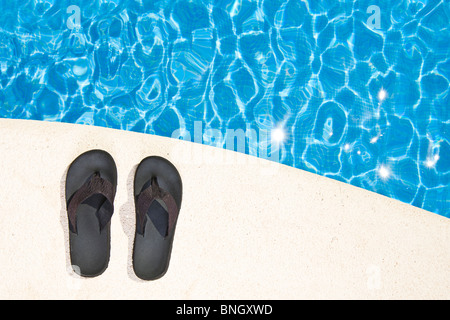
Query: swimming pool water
(357, 91)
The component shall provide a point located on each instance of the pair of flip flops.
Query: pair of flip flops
(91, 185)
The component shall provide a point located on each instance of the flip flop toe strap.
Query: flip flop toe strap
(145, 200)
(94, 187)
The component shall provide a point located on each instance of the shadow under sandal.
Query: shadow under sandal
(158, 193)
(90, 190)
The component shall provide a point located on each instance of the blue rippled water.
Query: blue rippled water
(357, 91)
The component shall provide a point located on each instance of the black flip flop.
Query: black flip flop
(90, 190)
(158, 194)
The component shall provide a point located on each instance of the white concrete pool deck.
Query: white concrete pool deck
(248, 228)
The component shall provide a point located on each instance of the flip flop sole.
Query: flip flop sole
(151, 251)
(90, 245)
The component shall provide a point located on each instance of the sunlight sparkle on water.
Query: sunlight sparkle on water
(382, 95)
(431, 161)
(278, 135)
(384, 172)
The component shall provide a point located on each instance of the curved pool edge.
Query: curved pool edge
(272, 231)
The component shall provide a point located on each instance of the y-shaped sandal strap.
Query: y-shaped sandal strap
(95, 186)
(145, 200)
